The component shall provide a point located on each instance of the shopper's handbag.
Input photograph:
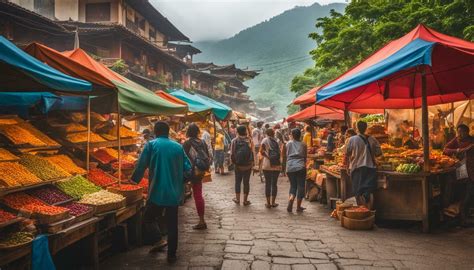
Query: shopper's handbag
(461, 171)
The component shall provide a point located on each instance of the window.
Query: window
(98, 12)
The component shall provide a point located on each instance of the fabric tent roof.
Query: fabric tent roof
(169, 97)
(198, 103)
(219, 109)
(194, 104)
(307, 98)
(132, 97)
(316, 112)
(23, 73)
(391, 78)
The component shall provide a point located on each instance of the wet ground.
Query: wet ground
(253, 237)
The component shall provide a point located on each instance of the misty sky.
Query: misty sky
(219, 19)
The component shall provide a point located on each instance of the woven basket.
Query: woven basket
(126, 193)
(84, 216)
(48, 219)
(352, 214)
(99, 209)
(354, 224)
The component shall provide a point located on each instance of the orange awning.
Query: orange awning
(170, 98)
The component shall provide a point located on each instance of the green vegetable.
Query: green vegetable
(77, 187)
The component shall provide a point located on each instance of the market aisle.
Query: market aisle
(242, 237)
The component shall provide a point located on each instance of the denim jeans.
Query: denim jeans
(271, 180)
(297, 180)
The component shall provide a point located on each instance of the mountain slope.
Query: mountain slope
(278, 46)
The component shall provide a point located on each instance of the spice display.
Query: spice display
(73, 127)
(42, 168)
(112, 152)
(50, 195)
(15, 239)
(20, 136)
(101, 197)
(5, 155)
(13, 174)
(124, 132)
(126, 187)
(125, 165)
(103, 156)
(6, 216)
(81, 137)
(66, 164)
(24, 202)
(38, 134)
(77, 187)
(108, 137)
(10, 121)
(77, 209)
(100, 178)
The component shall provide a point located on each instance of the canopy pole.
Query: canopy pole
(414, 123)
(215, 130)
(119, 140)
(424, 123)
(88, 150)
(347, 117)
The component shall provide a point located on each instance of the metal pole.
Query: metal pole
(424, 123)
(88, 134)
(119, 140)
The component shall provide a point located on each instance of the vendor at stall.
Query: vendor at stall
(307, 136)
(460, 144)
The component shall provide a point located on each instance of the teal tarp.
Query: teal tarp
(199, 103)
(21, 72)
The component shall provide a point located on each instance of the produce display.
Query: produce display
(77, 187)
(10, 121)
(77, 209)
(73, 127)
(38, 134)
(408, 168)
(42, 168)
(126, 187)
(66, 164)
(23, 202)
(15, 239)
(50, 195)
(81, 137)
(103, 156)
(144, 184)
(101, 197)
(13, 174)
(372, 118)
(125, 165)
(100, 178)
(6, 216)
(20, 136)
(124, 132)
(5, 155)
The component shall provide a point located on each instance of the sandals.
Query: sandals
(275, 205)
(268, 205)
(247, 203)
(236, 201)
(202, 226)
(300, 209)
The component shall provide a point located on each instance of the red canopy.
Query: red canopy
(307, 98)
(316, 112)
(391, 77)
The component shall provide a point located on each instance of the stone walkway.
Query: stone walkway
(254, 237)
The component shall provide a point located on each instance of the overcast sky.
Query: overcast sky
(219, 19)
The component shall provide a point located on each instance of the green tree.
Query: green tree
(343, 40)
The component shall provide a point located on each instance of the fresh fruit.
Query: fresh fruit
(20, 136)
(77, 187)
(15, 239)
(81, 137)
(13, 174)
(103, 156)
(77, 209)
(6, 216)
(66, 164)
(5, 155)
(101, 197)
(126, 187)
(50, 195)
(100, 178)
(42, 168)
(408, 168)
(23, 202)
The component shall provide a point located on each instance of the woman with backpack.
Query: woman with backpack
(198, 153)
(271, 166)
(241, 156)
(296, 169)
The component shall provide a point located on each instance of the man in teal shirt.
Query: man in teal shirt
(167, 164)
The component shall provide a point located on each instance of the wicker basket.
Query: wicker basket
(48, 219)
(126, 193)
(84, 216)
(99, 209)
(353, 214)
(354, 224)
(343, 206)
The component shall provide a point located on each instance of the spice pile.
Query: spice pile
(38, 134)
(126, 187)
(101, 197)
(124, 132)
(73, 127)
(100, 178)
(125, 165)
(66, 164)
(77, 187)
(103, 156)
(13, 175)
(77, 209)
(81, 137)
(24, 202)
(6, 216)
(5, 155)
(42, 168)
(15, 239)
(50, 195)
(20, 136)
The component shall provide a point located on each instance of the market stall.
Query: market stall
(420, 69)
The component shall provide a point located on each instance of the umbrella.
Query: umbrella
(316, 112)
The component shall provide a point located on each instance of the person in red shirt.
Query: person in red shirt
(460, 144)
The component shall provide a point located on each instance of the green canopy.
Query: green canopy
(221, 110)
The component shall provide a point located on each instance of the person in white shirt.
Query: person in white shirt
(361, 151)
(257, 137)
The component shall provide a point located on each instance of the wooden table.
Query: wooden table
(86, 230)
(15, 255)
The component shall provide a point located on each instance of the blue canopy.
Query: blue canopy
(21, 102)
(198, 103)
(23, 73)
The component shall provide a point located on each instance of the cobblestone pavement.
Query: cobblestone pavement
(254, 237)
